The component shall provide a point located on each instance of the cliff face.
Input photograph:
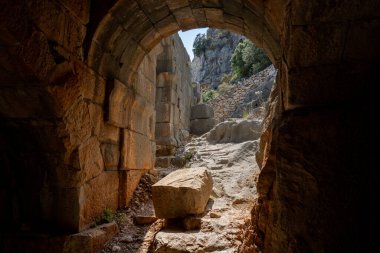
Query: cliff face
(214, 61)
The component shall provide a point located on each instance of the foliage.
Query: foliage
(225, 86)
(248, 59)
(207, 95)
(107, 216)
(199, 44)
(226, 79)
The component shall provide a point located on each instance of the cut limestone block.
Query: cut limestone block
(182, 192)
(202, 111)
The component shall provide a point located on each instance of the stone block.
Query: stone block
(182, 193)
(68, 208)
(96, 195)
(185, 18)
(90, 159)
(110, 134)
(163, 161)
(325, 45)
(166, 95)
(129, 180)
(201, 111)
(167, 26)
(313, 86)
(165, 149)
(200, 16)
(164, 130)
(111, 156)
(164, 79)
(164, 112)
(92, 240)
(141, 115)
(201, 126)
(214, 17)
(137, 151)
(120, 102)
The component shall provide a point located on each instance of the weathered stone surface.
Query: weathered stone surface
(215, 61)
(201, 111)
(129, 180)
(90, 159)
(111, 155)
(137, 151)
(110, 134)
(144, 220)
(96, 195)
(235, 131)
(201, 126)
(91, 240)
(182, 192)
(121, 100)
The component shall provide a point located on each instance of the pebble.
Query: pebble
(127, 239)
(215, 215)
(116, 248)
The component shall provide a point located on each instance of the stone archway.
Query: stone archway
(310, 187)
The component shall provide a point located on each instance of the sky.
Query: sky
(188, 38)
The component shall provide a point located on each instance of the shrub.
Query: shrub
(248, 59)
(224, 87)
(207, 95)
(199, 44)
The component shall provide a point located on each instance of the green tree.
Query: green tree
(199, 44)
(248, 59)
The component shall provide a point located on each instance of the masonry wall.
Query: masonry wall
(173, 96)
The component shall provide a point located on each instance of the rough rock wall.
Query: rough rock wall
(214, 62)
(174, 96)
(242, 97)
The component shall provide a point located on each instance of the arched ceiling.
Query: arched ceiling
(132, 28)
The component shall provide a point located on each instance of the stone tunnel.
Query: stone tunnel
(77, 117)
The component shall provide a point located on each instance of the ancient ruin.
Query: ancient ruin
(78, 105)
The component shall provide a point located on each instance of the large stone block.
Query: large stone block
(201, 111)
(201, 126)
(141, 116)
(182, 192)
(129, 180)
(90, 159)
(120, 102)
(111, 155)
(137, 151)
(110, 134)
(96, 195)
(164, 79)
(164, 112)
(90, 241)
(229, 131)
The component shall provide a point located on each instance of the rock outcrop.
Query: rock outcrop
(214, 62)
(244, 96)
(234, 131)
(182, 193)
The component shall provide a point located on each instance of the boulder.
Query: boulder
(235, 131)
(181, 193)
(201, 126)
(202, 111)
